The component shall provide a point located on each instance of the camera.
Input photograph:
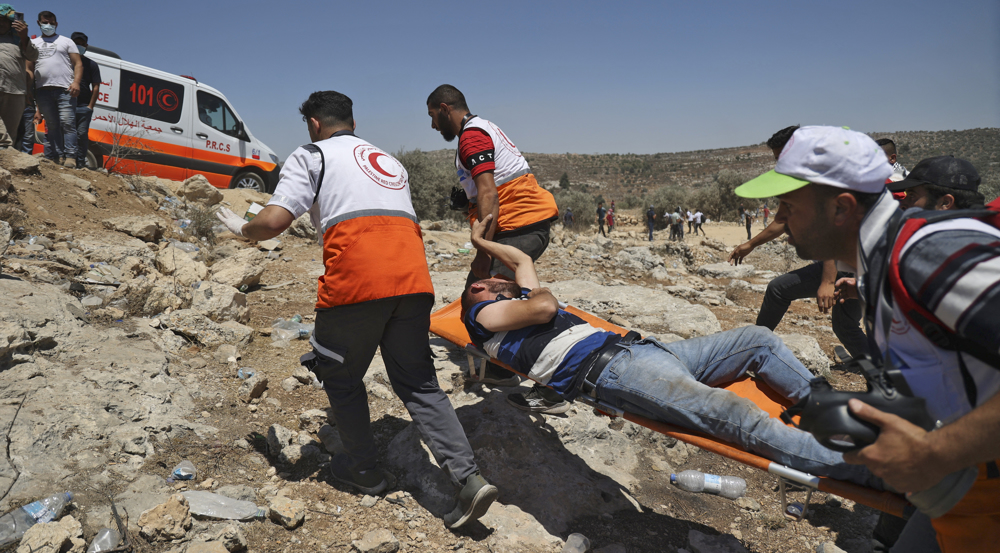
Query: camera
(19, 16)
(825, 415)
(458, 201)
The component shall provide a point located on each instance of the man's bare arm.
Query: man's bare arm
(539, 308)
(489, 204)
(513, 258)
(827, 287)
(270, 222)
(910, 459)
(770, 232)
(77, 61)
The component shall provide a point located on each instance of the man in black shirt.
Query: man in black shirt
(90, 86)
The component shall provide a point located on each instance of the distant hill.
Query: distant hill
(637, 178)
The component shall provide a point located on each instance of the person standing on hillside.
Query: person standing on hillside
(698, 216)
(611, 217)
(16, 50)
(376, 293)
(601, 212)
(497, 180)
(568, 219)
(650, 219)
(90, 89)
(767, 214)
(58, 72)
(690, 220)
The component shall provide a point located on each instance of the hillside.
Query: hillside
(634, 178)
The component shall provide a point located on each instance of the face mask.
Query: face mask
(47, 29)
(82, 49)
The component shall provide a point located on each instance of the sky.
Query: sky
(580, 77)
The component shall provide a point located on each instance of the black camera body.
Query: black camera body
(458, 201)
(825, 415)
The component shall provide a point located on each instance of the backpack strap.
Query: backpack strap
(317, 152)
(920, 317)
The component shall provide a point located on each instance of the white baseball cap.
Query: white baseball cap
(834, 156)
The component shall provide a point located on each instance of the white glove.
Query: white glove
(232, 221)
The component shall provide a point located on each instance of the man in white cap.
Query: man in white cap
(834, 205)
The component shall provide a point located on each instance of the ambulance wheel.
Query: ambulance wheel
(94, 160)
(250, 181)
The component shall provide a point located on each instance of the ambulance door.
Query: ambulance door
(150, 132)
(221, 145)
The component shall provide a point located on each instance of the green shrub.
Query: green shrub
(431, 182)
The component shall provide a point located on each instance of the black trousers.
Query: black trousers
(399, 326)
(803, 283)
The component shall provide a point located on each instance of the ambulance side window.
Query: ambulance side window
(214, 112)
(150, 97)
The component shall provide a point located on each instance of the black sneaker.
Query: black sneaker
(472, 502)
(536, 402)
(369, 482)
(841, 355)
(495, 376)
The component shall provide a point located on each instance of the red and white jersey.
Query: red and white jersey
(358, 197)
(522, 201)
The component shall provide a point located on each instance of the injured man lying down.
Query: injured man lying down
(521, 324)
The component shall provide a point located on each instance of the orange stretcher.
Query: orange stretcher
(447, 323)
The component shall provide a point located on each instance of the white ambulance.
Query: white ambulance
(172, 126)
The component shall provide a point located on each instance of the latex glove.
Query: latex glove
(232, 221)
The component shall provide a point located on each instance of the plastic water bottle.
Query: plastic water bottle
(576, 543)
(14, 524)
(213, 505)
(105, 540)
(697, 481)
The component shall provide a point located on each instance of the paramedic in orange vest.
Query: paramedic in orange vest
(497, 180)
(376, 292)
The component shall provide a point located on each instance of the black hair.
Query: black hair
(780, 138)
(883, 142)
(964, 199)
(507, 288)
(47, 14)
(865, 199)
(329, 107)
(447, 94)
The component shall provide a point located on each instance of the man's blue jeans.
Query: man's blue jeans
(59, 110)
(673, 383)
(83, 116)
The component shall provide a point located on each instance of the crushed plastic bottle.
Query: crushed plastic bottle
(185, 470)
(213, 505)
(576, 543)
(14, 524)
(296, 318)
(245, 373)
(105, 540)
(696, 481)
(290, 330)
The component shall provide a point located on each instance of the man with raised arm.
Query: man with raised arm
(520, 323)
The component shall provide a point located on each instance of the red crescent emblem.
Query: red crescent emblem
(373, 159)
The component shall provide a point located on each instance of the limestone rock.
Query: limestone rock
(168, 521)
(302, 374)
(6, 183)
(203, 330)
(18, 162)
(639, 258)
(5, 233)
(220, 302)
(303, 228)
(206, 547)
(147, 229)
(253, 387)
(197, 189)
(82, 184)
(377, 541)
(242, 269)
(725, 270)
(703, 543)
(278, 438)
(807, 350)
(748, 503)
(290, 384)
(287, 512)
(180, 265)
(829, 547)
(64, 536)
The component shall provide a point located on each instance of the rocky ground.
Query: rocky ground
(126, 316)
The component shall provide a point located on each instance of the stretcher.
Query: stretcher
(447, 323)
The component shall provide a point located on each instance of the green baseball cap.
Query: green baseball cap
(771, 183)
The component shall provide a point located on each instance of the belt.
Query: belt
(588, 385)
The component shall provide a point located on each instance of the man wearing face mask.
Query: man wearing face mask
(15, 51)
(58, 72)
(90, 89)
